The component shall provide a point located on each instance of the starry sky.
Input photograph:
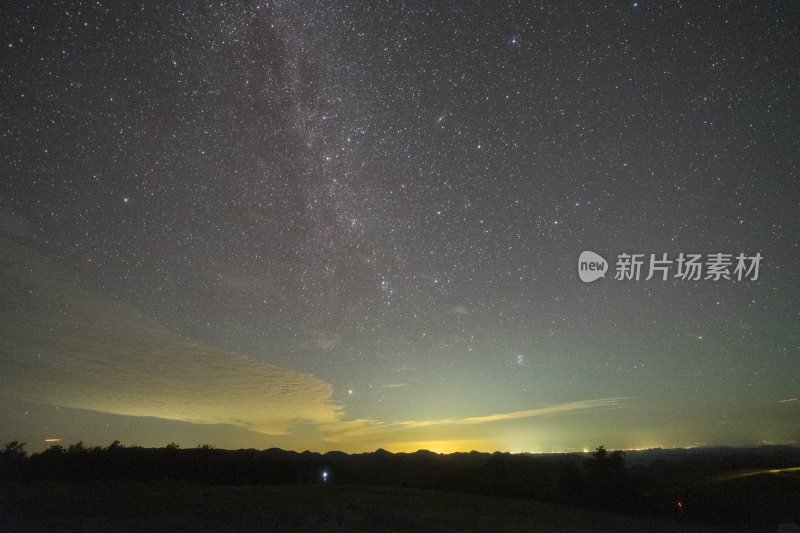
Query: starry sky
(345, 226)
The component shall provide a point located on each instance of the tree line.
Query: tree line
(671, 485)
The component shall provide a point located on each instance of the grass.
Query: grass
(124, 506)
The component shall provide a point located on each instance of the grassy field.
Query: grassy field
(123, 506)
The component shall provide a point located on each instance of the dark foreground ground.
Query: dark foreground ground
(131, 506)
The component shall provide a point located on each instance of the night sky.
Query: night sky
(328, 225)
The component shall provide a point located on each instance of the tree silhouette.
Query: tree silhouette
(76, 448)
(14, 450)
(600, 453)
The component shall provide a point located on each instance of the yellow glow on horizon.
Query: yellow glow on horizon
(441, 446)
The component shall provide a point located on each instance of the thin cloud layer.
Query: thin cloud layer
(344, 431)
(85, 352)
(63, 345)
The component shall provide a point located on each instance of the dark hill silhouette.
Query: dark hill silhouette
(727, 486)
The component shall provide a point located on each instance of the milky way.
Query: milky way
(367, 218)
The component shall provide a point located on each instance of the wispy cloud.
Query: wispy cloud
(63, 345)
(346, 430)
(550, 409)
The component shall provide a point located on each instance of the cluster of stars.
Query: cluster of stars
(414, 182)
